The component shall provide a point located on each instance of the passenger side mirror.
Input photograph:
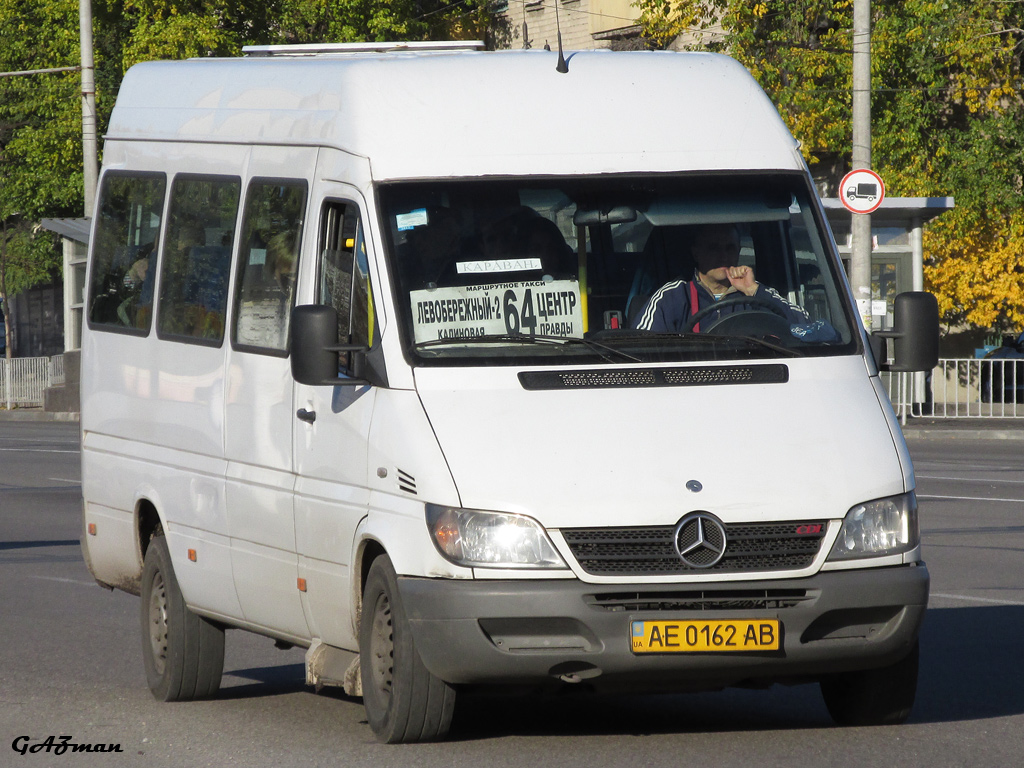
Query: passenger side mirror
(314, 349)
(915, 334)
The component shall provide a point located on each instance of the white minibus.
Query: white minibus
(458, 370)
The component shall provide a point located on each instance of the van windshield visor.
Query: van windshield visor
(614, 270)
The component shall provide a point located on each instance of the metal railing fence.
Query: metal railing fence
(961, 388)
(24, 379)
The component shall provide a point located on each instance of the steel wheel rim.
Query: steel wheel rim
(382, 647)
(158, 622)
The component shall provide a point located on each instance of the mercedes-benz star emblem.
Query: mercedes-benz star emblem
(700, 540)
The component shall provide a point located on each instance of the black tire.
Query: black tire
(183, 652)
(404, 702)
(873, 697)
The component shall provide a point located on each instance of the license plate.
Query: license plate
(715, 636)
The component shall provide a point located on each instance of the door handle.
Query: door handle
(307, 416)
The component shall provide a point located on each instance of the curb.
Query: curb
(32, 414)
(965, 428)
(964, 434)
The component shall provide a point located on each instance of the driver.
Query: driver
(716, 252)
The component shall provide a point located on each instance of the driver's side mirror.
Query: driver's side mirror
(314, 349)
(915, 334)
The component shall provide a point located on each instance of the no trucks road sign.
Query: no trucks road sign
(861, 191)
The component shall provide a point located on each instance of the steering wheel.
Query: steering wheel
(769, 319)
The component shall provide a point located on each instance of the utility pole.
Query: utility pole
(860, 247)
(90, 165)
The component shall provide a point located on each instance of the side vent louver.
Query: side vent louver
(406, 482)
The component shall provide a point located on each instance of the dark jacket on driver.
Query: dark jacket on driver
(672, 305)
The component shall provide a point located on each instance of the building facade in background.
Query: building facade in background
(585, 24)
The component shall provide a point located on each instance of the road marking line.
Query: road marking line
(64, 480)
(65, 581)
(969, 498)
(36, 450)
(969, 480)
(968, 598)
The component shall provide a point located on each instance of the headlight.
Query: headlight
(876, 528)
(474, 538)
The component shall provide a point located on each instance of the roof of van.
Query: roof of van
(429, 114)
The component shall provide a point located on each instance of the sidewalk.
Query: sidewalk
(35, 414)
(965, 428)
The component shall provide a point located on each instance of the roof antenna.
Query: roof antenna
(561, 66)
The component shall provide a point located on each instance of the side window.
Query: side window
(129, 215)
(269, 257)
(196, 258)
(344, 281)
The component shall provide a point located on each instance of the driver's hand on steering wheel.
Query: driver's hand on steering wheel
(742, 279)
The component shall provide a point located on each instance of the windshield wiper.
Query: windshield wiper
(517, 338)
(699, 338)
(756, 342)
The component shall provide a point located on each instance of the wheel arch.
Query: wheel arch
(148, 524)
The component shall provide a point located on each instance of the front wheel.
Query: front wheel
(404, 702)
(183, 652)
(875, 696)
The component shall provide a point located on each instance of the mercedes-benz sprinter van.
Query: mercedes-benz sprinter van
(418, 359)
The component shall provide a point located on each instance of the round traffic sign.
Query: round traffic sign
(861, 191)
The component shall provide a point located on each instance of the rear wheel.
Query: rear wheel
(183, 652)
(873, 697)
(404, 701)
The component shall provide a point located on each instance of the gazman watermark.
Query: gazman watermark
(58, 745)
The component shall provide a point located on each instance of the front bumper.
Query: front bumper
(535, 632)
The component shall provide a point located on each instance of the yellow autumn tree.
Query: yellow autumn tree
(947, 117)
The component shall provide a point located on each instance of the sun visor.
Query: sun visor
(724, 209)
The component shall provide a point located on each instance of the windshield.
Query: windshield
(614, 270)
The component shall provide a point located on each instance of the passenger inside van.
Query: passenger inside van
(525, 234)
(718, 276)
(137, 307)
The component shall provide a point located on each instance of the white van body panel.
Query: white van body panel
(385, 110)
(761, 452)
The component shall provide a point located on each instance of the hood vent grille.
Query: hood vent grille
(701, 376)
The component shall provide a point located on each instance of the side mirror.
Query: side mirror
(314, 348)
(915, 332)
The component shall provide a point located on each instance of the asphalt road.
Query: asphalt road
(70, 660)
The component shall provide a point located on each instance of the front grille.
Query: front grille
(700, 600)
(650, 551)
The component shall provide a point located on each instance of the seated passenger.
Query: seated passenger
(525, 235)
(545, 241)
(718, 276)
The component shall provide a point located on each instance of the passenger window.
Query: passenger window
(196, 258)
(271, 235)
(344, 281)
(129, 215)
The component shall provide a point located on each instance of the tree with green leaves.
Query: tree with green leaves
(40, 139)
(947, 117)
(40, 114)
